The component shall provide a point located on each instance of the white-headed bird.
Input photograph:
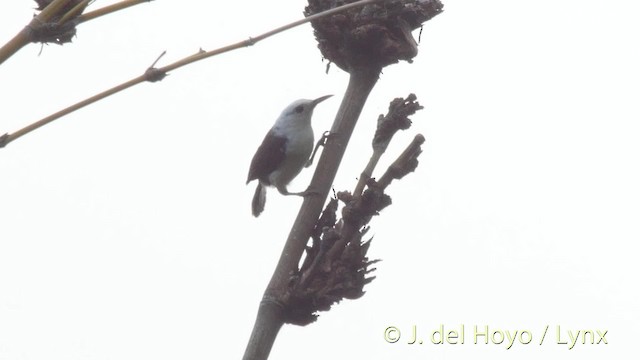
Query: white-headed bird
(284, 151)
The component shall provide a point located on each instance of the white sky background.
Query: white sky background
(126, 232)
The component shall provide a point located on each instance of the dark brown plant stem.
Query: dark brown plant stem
(368, 171)
(265, 330)
(271, 315)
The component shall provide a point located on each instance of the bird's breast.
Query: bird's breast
(298, 150)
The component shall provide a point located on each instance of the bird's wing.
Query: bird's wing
(268, 158)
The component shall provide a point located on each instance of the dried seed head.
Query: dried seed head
(375, 35)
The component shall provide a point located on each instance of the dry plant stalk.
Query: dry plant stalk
(56, 23)
(396, 119)
(153, 74)
(360, 41)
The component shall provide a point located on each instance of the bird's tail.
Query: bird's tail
(259, 199)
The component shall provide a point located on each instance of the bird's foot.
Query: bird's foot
(308, 192)
(321, 142)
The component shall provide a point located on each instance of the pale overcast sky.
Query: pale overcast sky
(126, 231)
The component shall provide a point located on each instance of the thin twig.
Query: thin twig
(158, 59)
(11, 137)
(253, 40)
(50, 10)
(368, 171)
(109, 9)
(200, 55)
(79, 8)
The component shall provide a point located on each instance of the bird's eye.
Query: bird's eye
(299, 108)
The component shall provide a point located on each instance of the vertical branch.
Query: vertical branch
(271, 313)
(269, 320)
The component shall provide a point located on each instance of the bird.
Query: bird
(284, 152)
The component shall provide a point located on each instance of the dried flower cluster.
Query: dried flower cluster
(336, 265)
(374, 35)
(396, 119)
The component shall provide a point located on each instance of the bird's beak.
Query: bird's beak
(320, 99)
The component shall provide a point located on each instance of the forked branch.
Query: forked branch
(56, 23)
(159, 73)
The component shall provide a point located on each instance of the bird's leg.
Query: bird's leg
(321, 142)
(283, 190)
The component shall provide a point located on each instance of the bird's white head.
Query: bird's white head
(298, 113)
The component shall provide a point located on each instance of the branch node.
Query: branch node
(51, 32)
(271, 301)
(153, 74)
(58, 27)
